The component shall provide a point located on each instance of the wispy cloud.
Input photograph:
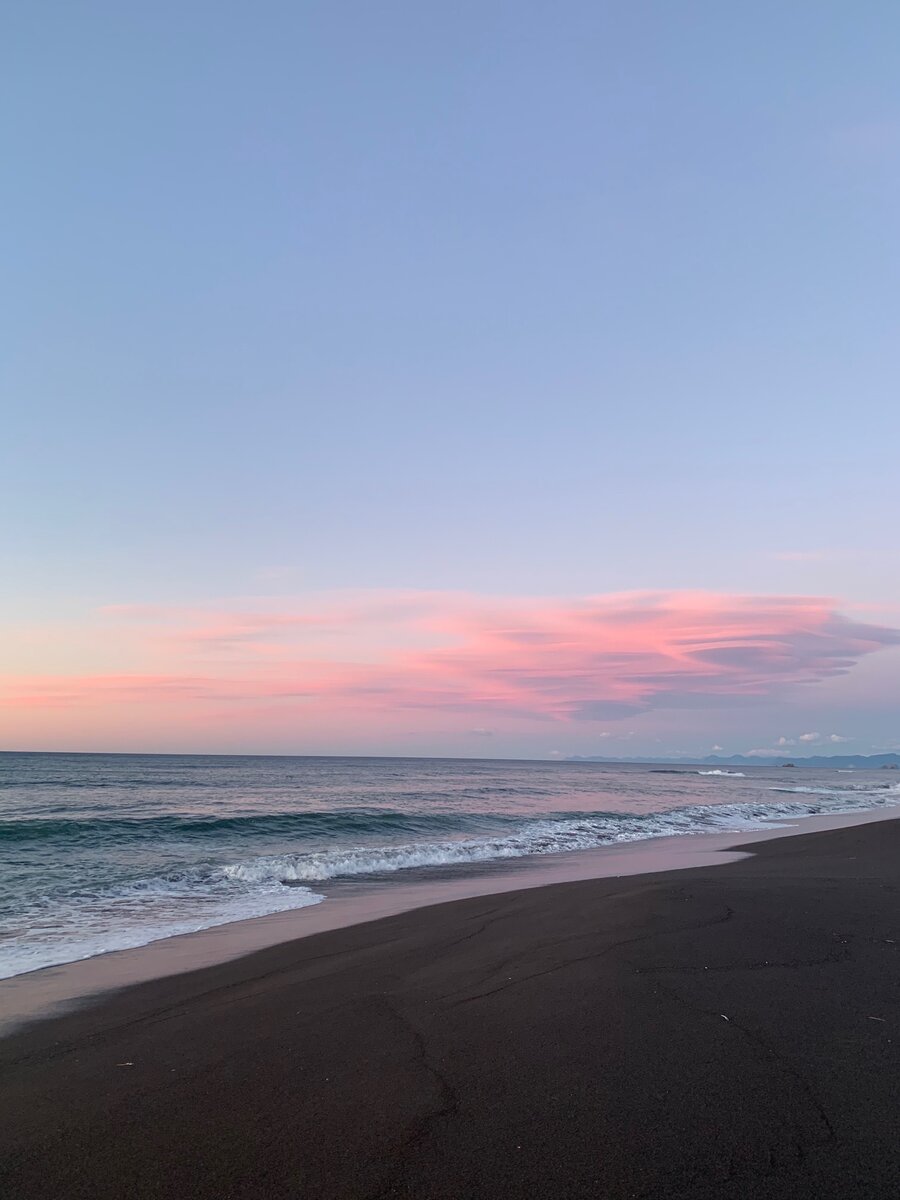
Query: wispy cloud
(594, 659)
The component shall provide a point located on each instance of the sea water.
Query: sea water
(102, 852)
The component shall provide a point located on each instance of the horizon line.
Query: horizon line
(596, 758)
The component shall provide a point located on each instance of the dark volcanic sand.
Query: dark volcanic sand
(565, 1041)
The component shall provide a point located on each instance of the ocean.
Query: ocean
(102, 852)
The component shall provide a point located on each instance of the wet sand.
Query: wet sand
(726, 1031)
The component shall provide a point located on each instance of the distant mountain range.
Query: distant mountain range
(860, 761)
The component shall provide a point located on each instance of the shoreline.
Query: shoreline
(708, 1033)
(50, 992)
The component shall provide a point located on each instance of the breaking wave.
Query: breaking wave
(87, 873)
(533, 838)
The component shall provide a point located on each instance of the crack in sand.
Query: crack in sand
(485, 924)
(768, 1049)
(447, 1106)
(569, 962)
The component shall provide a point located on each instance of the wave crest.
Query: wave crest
(537, 838)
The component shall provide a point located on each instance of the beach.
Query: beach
(450, 634)
(716, 1031)
(103, 853)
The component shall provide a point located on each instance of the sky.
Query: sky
(485, 379)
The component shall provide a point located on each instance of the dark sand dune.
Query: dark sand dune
(725, 1032)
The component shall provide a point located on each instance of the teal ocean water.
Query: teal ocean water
(101, 852)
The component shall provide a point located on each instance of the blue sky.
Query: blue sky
(504, 299)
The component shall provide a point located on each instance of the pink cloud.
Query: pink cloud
(600, 658)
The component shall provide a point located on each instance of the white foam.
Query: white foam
(535, 838)
(875, 790)
(64, 929)
(731, 774)
(136, 914)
